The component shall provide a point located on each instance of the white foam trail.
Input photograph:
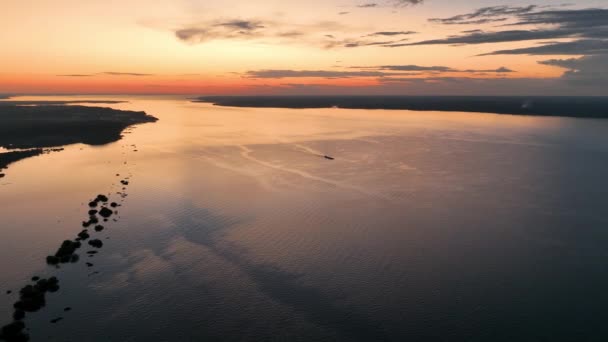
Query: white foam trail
(246, 153)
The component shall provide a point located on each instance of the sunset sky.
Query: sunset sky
(404, 47)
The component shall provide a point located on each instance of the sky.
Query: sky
(246, 47)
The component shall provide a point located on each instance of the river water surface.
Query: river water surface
(427, 226)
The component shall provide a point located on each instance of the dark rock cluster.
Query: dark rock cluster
(32, 297)
(96, 243)
(66, 253)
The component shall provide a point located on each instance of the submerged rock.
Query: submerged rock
(32, 297)
(96, 243)
(52, 260)
(101, 198)
(83, 235)
(18, 315)
(14, 332)
(105, 212)
(67, 248)
(65, 253)
(56, 320)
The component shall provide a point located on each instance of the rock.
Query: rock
(67, 249)
(124, 182)
(83, 235)
(92, 212)
(96, 243)
(92, 252)
(14, 332)
(113, 204)
(52, 260)
(56, 320)
(8, 292)
(101, 198)
(18, 315)
(32, 297)
(93, 219)
(67, 309)
(105, 212)
(93, 204)
(1, 175)
(89, 264)
(35, 278)
(99, 228)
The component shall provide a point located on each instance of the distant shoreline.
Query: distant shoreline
(578, 107)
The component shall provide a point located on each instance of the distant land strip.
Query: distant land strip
(54, 103)
(579, 107)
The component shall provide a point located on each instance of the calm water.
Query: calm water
(427, 227)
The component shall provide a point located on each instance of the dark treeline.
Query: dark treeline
(581, 107)
(50, 126)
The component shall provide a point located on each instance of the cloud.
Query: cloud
(323, 34)
(415, 68)
(484, 15)
(397, 3)
(589, 71)
(501, 70)
(114, 73)
(244, 25)
(383, 71)
(228, 29)
(438, 69)
(390, 33)
(355, 43)
(109, 73)
(585, 18)
(408, 2)
(577, 47)
(277, 74)
(555, 24)
(496, 37)
(585, 29)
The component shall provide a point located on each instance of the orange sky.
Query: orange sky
(204, 47)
